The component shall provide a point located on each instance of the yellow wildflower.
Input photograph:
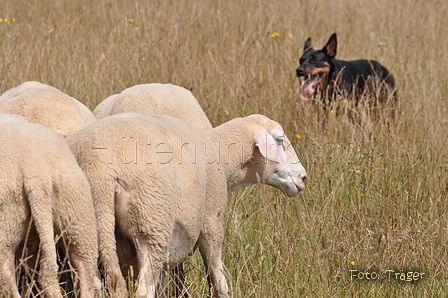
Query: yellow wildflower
(275, 34)
(331, 111)
(22, 44)
(298, 136)
(1, 20)
(136, 28)
(241, 104)
(352, 263)
(131, 21)
(13, 19)
(290, 36)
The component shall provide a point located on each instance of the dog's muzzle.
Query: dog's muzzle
(300, 72)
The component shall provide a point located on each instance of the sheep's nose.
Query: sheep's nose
(303, 177)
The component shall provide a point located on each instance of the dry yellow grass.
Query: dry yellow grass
(376, 195)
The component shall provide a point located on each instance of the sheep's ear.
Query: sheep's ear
(267, 145)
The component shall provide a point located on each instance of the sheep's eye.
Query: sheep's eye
(280, 140)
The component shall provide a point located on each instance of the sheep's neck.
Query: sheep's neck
(234, 149)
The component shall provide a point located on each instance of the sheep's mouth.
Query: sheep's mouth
(310, 84)
(300, 186)
(293, 188)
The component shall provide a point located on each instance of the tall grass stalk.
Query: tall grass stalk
(376, 194)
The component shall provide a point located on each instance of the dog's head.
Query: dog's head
(314, 65)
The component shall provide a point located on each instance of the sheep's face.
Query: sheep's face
(281, 167)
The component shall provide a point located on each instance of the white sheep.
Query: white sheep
(156, 98)
(163, 99)
(160, 188)
(46, 105)
(41, 184)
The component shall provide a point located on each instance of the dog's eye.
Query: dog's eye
(301, 60)
(312, 59)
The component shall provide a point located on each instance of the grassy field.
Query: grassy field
(376, 196)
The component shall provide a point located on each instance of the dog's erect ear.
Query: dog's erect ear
(330, 47)
(307, 44)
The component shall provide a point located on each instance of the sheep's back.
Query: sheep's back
(163, 99)
(46, 105)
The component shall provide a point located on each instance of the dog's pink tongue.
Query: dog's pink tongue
(308, 88)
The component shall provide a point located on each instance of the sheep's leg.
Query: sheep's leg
(42, 214)
(150, 268)
(89, 284)
(13, 222)
(8, 283)
(82, 247)
(210, 246)
(109, 258)
(107, 246)
(80, 272)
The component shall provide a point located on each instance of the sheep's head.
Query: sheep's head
(274, 158)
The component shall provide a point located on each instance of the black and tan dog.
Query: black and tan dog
(349, 79)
